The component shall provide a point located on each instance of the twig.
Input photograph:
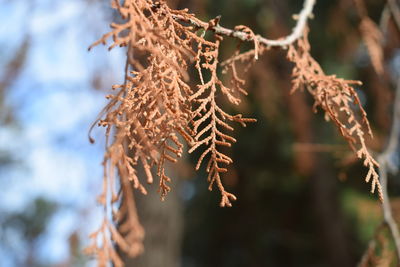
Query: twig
(371, 247)
(395, 10)
(383, 23)
(297, 31)
(385, 163)
(311, 147)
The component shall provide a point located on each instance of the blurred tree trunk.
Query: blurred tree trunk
(163, 223)
(331, 228)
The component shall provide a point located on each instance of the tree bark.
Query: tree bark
(163, 223)
(331, 229)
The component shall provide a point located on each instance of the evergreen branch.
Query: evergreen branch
(297, 31)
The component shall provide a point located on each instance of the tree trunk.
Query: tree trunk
(331, 228)
(163, 223)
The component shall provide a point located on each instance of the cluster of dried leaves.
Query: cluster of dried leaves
(372, 37)
(338, 99)
(155, 112)
(378, 252)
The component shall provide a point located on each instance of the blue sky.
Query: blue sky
(54, 103)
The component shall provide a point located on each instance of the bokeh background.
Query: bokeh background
(302, 200)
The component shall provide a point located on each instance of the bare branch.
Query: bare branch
(385, 162)
(297, 32)
(395, 10)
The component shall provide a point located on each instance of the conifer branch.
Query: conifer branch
(155, 111)
(297, 32)
(385, 160)
(337, 98)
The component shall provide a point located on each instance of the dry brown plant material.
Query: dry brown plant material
(372, 37)
(155, 111)
(378, 252)
(335, 96)
(213, 119)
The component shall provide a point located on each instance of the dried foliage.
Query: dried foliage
(210, 115)
(338, 99)
(372, 37)
(155, 112)
(378, 252)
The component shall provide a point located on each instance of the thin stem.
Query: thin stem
(395, 10)
(385, 163)
(371, 247)
(297, 31)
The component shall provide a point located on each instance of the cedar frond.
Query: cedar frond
(167, 149)
(209, 117)
(144, 118)
(373, 37)
(338, 99)
(154, 111)
(150, 114)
